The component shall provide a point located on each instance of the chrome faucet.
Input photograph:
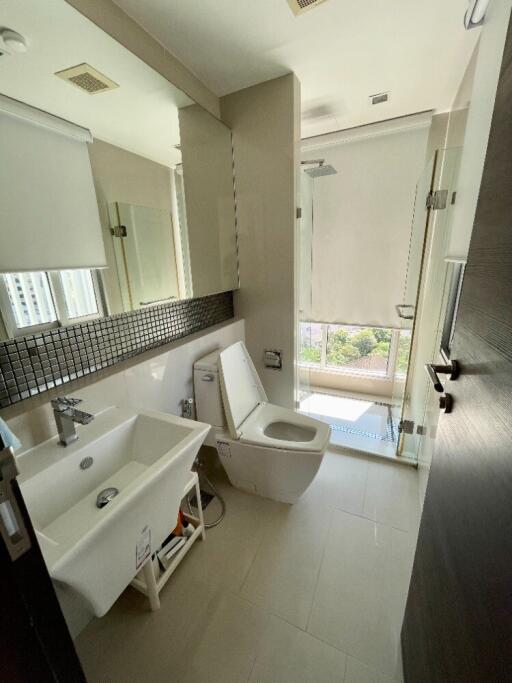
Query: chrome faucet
(66, 415)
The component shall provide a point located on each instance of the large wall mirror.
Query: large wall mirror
(81, 118)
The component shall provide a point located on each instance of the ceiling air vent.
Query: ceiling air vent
(380, 98)
(301, 6)
(86, 78)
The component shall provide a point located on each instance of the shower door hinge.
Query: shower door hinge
(299, 212)
(406, 427)
(119, 231)
(437, 200)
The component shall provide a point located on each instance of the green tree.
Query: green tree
(382, 349)
(364, 341)
(310, 354)
(404, 348)
(340, 349)
(381, 334)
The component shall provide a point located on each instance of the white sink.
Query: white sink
(147, 456)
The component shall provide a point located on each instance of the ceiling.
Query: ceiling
(342, 51)
(140, 116)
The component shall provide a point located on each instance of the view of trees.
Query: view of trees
(345, 345)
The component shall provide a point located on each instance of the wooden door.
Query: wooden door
(35, 644)
(458, 620)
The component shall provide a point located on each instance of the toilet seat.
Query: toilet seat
(267, 450)
(296, 427)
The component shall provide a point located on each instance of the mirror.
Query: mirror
(162, 168)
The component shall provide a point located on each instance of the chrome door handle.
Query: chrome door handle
(207, 378)
(402, 315)
(452, 369)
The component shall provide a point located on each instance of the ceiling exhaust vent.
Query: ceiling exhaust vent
(380, 98)
(301, 6)
(87, 78)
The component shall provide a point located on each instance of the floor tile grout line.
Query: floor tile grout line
(246, 575)
(346, 668)
(318, 571)
(374, 521)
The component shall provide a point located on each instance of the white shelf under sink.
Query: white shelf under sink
(146, 581)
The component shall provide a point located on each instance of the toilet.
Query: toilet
(265, 449)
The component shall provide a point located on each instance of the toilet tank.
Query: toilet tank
(207, 390)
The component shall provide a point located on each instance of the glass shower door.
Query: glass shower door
(406, 309)
(145, 255)
(307, 348)
(425, 342)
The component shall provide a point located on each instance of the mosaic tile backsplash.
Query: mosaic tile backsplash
(36, 363)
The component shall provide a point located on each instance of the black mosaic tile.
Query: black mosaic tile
(31, 365)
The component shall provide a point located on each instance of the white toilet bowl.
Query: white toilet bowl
(271, 451)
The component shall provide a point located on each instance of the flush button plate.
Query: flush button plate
(273, 359)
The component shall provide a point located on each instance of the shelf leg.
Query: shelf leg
(200, 509)
(150, 580)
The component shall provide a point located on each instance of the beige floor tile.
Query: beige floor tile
(131, 643)
(392, 496)
(228, 552)
(361, 591)
(226, 649)
(340, 483)
(283, 575)
(357, 672)
(289, 655)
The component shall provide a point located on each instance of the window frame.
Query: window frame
(322, 366)
(59, 303)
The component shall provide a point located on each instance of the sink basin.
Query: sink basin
(147, 456)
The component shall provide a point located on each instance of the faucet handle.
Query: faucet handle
(62, 402)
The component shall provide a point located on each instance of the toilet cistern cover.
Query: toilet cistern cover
(242, 390)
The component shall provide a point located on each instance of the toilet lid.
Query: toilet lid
(241, 387)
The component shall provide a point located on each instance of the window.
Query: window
(359, 348)
(79, 294)
(311, 341)
(30, 298)
(403, 353)
(31, 302)
(351, 349)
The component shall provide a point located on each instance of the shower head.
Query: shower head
(320, 168)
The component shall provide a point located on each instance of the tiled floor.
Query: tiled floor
(311, 593)
(357, 422)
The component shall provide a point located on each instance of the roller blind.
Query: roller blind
(49, 213)
(362, 220)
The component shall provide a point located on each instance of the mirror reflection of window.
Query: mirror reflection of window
(30, 299)
(79, 294)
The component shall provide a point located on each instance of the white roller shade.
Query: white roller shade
(362, 220)
(49, 214)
